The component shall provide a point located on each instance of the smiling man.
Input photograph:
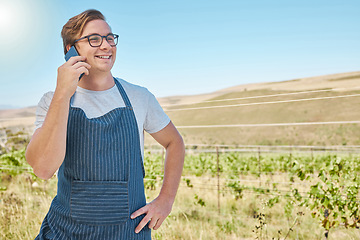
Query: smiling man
(91, 131)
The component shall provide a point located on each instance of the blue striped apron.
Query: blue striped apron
(100, 182)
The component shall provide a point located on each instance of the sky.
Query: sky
(182, 47)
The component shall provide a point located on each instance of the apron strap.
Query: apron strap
(123, 94)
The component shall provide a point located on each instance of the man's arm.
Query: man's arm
(46, 150)
(160, 207)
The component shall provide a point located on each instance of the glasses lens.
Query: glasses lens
(112, 39)
(95, 40)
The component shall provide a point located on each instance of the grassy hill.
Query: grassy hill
(258, 105)
(331, 108)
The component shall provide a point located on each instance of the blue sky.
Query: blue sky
(183, 47)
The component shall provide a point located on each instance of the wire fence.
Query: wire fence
(264, 103)
(265, 183)
(269, 124)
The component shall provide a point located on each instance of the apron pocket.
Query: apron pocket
(99, 202)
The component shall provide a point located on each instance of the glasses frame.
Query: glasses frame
(116, 37)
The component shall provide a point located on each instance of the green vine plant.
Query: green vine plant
(333, 199)
(333, 196)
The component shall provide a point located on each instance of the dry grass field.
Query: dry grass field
(25, 200)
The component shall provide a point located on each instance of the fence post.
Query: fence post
(259, 163)
(218, 176)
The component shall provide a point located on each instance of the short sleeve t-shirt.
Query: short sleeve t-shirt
(149, 115)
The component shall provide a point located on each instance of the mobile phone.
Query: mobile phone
(71, 53)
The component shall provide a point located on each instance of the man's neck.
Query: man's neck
(98, 82)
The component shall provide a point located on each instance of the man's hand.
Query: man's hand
(156, 212)
(69, 73)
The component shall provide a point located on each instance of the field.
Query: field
(224, 195)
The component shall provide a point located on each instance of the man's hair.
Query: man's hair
(73, 29)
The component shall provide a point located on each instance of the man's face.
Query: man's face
(100, 58)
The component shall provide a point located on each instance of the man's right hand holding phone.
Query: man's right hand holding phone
(69, 73)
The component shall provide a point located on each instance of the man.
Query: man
(91, 131)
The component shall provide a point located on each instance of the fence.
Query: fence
(258, 151)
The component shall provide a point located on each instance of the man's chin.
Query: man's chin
(104, 69)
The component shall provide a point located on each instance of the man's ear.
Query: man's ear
(68, 47)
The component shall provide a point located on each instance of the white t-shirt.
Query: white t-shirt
(149, 115)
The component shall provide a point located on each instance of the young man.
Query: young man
(91, 131)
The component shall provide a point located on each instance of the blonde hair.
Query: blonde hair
(73, 29)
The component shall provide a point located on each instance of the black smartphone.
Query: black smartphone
(71, 53)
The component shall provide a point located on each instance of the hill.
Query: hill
(327, 98)
(17, 120)
(317, 99)
(333, 81)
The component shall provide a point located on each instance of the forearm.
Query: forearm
(46, 150)
(174, 162)
(157, 210)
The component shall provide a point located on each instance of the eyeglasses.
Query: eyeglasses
(95, 40)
